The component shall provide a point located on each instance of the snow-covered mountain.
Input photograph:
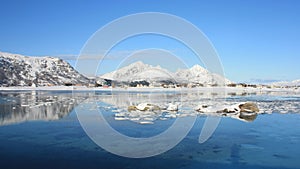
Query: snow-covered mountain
(286, 83)
(125, 73)
(198, 74)
(139, 71)
(19, 70)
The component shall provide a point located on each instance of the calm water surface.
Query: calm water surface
(41, 130)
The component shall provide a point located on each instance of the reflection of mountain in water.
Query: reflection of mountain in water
(20, 107)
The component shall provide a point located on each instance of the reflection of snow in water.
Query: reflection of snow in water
(146, 108)
(29, 106)
(192, 104)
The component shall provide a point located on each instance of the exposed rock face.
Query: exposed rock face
(131, 108)
(18, 70)
(249, 107)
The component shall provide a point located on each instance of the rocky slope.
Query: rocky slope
(19, 70)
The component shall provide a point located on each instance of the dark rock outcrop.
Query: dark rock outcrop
(249, 107)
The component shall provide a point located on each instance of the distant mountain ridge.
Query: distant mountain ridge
(287, 83)
(139, 71)
(19, 70)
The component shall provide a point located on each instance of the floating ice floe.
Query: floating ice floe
(147, 113)
(147, 106)
(234, 108)
(244, 111)
(172, 107)
(146, 122)
(121, 118)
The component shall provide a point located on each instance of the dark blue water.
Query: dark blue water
(271, 141)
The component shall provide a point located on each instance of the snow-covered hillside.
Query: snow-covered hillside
(139, 71)
(286, 83)
(19, 70)
(125, 73)
(198, 74)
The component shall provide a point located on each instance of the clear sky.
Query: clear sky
(255, 39)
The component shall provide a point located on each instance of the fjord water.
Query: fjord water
(41, 130)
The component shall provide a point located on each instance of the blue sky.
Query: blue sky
(255, 39)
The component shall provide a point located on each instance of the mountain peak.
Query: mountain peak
(126, 71)
(198, 68)
(19, 70)
(136, 64)
(141, 71)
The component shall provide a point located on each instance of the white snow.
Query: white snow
(42, 70)
(287, 83)
(172, 107)
(140, 71)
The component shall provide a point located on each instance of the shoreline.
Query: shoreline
(151, 89)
